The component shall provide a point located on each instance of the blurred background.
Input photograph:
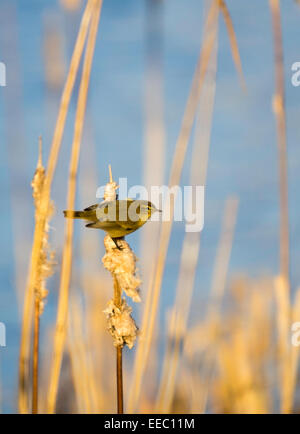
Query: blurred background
(143, 66)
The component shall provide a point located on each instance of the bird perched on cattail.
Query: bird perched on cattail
(117, 217)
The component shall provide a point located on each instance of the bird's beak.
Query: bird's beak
(154, 209)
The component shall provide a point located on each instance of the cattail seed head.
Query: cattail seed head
(121, 262)
(121, 325)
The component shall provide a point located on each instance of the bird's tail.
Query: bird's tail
(75, 214)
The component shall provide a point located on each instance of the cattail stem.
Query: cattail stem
(120, 261)
(118, 302)
(35, 368)
(119, 380)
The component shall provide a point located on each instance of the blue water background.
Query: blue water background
(243, 153)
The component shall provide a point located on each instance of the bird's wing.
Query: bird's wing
(111, 212)
(126, 224)
(102, 212)
(105, 226)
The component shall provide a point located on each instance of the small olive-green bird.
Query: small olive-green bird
(117, 217)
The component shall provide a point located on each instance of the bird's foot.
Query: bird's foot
(116, 241)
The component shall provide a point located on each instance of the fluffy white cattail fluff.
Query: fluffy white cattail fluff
(121, 325)
(110, 188)
(110, 191)
(121, 262)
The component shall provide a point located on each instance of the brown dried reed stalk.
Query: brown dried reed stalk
(154, 135)
(44, 209)
(177, 165)
(279, 110)
(61, 320)
(233, 42)
(45, 269)
(191, 245)
(283, 281)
